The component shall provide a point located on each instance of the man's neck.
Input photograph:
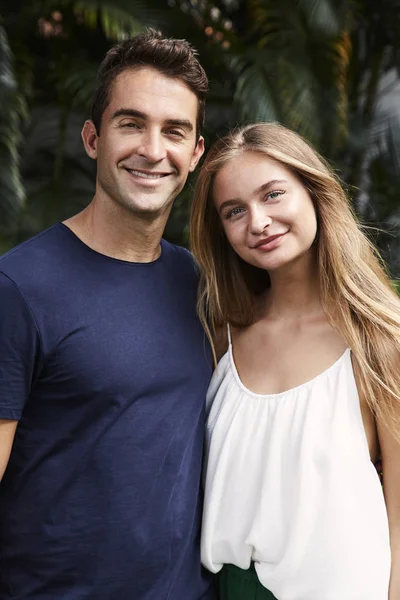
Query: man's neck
(119, 233)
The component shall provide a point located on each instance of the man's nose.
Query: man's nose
(259, 220)
(152, 147)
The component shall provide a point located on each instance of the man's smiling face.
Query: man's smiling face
(147, 143)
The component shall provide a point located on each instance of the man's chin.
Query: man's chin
(149, 207)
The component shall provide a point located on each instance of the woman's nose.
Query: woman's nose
(259, 220)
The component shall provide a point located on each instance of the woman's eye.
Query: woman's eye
(233, 213)
(274, 195)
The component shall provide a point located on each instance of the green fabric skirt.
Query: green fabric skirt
(237, 584)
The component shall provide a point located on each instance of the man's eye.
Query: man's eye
(175, 132)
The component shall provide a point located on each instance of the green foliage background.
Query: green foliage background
(327, 68)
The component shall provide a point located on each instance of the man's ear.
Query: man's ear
(197, 154)
(90, 139)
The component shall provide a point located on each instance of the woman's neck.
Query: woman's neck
(294, 292)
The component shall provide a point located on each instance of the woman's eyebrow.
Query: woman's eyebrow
(261, 188)
(268, 184)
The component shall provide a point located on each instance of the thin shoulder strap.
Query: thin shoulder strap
(228, 328)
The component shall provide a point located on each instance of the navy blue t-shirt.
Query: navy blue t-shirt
(105, 365)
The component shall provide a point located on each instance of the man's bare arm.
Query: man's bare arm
(7, 433)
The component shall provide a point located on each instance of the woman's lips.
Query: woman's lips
(269, 243)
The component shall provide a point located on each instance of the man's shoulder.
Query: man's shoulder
(24, 250)
(33, 255)
(180, 256)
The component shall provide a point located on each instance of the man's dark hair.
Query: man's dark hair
(172, 58)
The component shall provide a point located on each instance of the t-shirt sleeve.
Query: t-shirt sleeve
(19, 349)
(190, 264)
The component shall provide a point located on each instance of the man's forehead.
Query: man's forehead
(138, 88)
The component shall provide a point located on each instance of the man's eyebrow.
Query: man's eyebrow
(185, 123)
(131, 112)
(128, 112)
(262, 188)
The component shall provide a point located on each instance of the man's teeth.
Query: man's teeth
(146, 175)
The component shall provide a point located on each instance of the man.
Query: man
(103, 365)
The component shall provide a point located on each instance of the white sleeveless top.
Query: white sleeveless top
(290, 486)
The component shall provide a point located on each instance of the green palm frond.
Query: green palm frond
(322, 16)
(329, 63)
(12, 192)
(298, 92)
(307, 50)
(384, 142)
(253, 95)
(50, 198)
(78, 85)
(394, 143)
(274, 84)
(117, 22)
(267, 24)
(119, 19)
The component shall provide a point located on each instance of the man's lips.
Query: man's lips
(147, 174)
(268, 241)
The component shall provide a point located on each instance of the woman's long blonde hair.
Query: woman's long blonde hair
(356, 294)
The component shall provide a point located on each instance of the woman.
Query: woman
(307, 394)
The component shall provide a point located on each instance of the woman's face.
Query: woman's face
(266, 212)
